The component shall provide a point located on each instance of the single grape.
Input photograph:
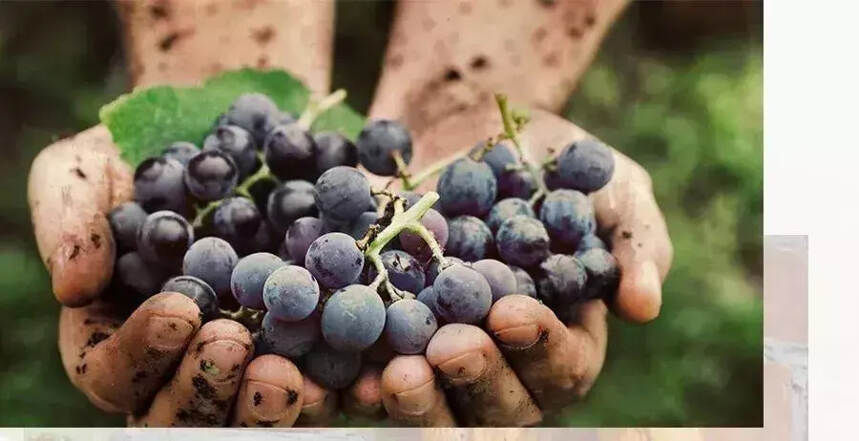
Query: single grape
(591, 241)
(377, 142)
(359, 227)
(124, 221)
(237, 220)
(330, 368)
(332, 150)
(462, 295)
(335, 260)
(238, 144)
(585, 165)
(342, 193)
(249, 275)
(197, 290)
(434, 268)
(467, 187)
(524, 282)
(300, 235)
(212, 260)
(469, 239)
(163, 239)
(415, 245)
(260, 190)
(501, 279)
(290, 153)
(499, 158)
(289, 201)
(353, 318)
(427, 297)
(211, 175)
(522, 241)
(409, 326)
(290, 293)
(289, 339)
(562, 280)
(568, 216)
(181, 151)
(505, 209)
(404, 271)
(603, 273)
(159, 185)
(136, 275)
(254, 112)
(516, 184)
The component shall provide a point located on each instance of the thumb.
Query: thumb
(72, 185)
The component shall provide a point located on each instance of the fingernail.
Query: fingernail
(222, 360)
(168, 333)
(467, 367)
(519, 336)
(416, 401)
(270, 403)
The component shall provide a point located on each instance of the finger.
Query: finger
(121, 371)
(364, 397)
(483, 389)
(411, 395)
(627, 209)
(556, 363)
(320, 405)
(204, 386)
(72, 185)
(271, 394)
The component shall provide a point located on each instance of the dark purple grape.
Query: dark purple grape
(212, 260)
(603, 273)
(501, 279)
(505, 209)
(499, 158)
(568, 216)
(335, 260)
(516, 184)
(332, 150)
(343, 193)
(289, 339)
(469, 239)
(409, 326)
(585, 165)
(290, 293)
(353, 318)
(404, 271)
(524, 282)
(238, 144)
(159, 184)
(289, 201)
(211, 175)
(522, 241)
(433, 269)
(197, 290)
(462, 295)
(290, 153)
(237, 220)
(138, 276)
(254, 112)
(467, 187)
(377, 142)
(249, 275)
(562, 280)
(330, 368)
(300, 235)
(125, 220)
(163, 239)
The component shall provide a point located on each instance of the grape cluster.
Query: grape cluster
(275, 226)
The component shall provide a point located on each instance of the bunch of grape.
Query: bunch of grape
(276, 227)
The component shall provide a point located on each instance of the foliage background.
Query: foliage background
(676, 86)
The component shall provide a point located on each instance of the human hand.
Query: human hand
(525, 361)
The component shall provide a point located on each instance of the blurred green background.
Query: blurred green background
(677, 86)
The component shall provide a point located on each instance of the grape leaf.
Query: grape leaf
(145, 121)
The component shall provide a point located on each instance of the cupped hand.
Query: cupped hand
(525, 362)
(157, 363)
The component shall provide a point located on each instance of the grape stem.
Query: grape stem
(318, 107)
(251, 318)
(401, 220)
(262, 173)
(412, 182)
(512, 125)
(203, 212)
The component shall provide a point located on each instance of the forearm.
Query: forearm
(446, 57)
(186, 41)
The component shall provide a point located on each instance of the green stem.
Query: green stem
(251, 318)
(316, 108)
(432, 170)
(409, 219)
(511, 132)
(425, 234)
(263, 173)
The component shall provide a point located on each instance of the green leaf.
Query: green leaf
(145, 121)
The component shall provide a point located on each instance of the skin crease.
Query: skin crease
(467, 361)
